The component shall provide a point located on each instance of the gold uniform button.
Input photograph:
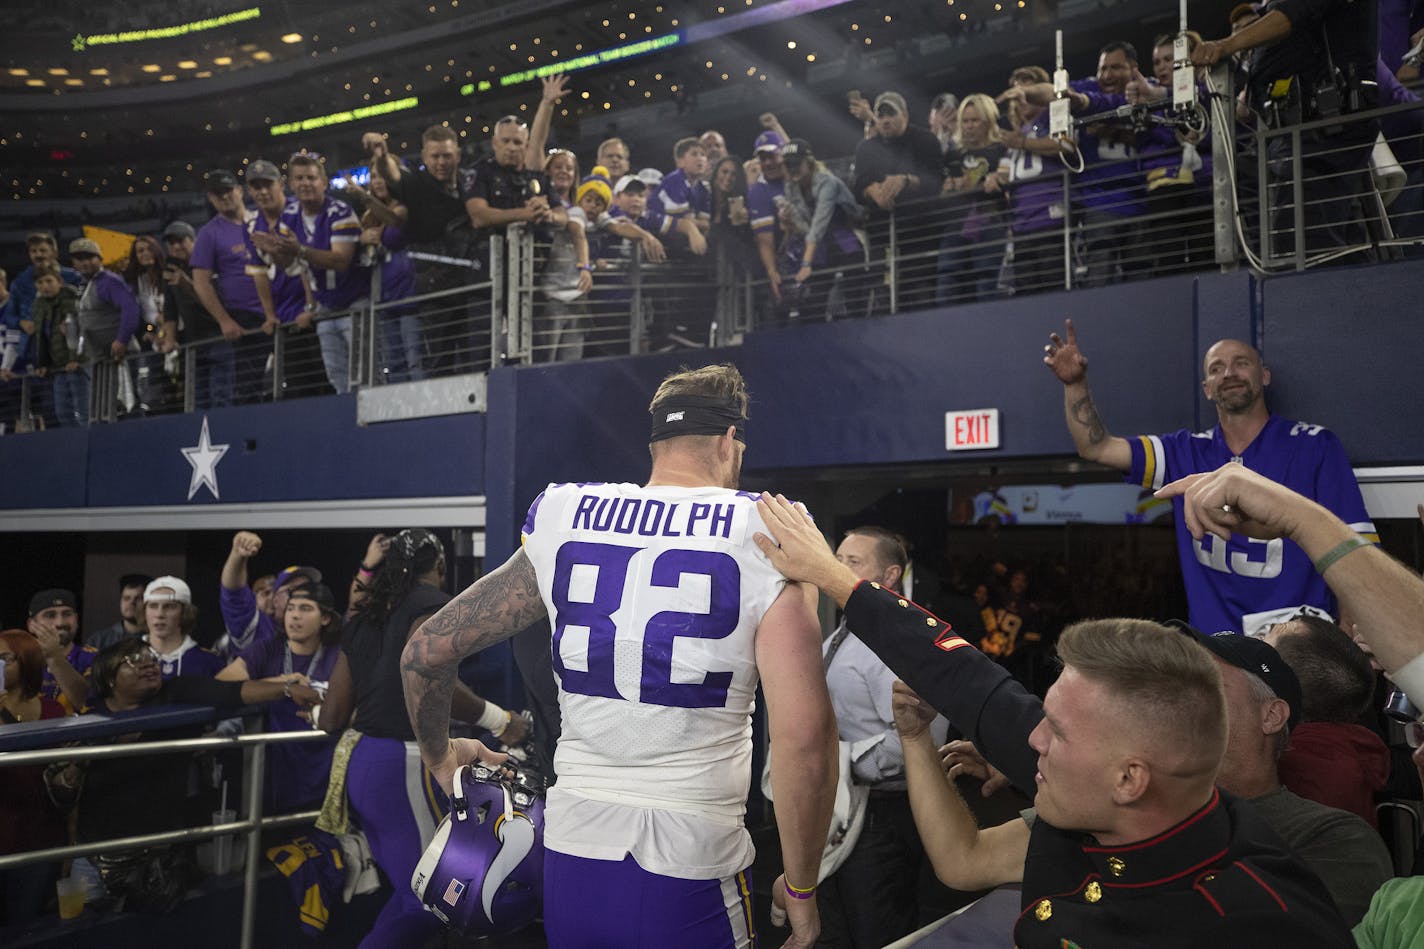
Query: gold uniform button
(1209, 877)
(930, 622)
(1043, 911)
(904, 602)
(874, 585)
(1116, 866)
(1094, 892)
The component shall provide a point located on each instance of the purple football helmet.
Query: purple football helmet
(483, 873)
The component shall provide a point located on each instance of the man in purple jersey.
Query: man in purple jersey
(243, 623)
(220, 281)
(1241, 584)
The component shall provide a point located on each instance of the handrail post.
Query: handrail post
(891, 268)
(256, 761)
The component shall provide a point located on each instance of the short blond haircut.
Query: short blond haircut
(1164, 684)
(721, 381)
(988, 108)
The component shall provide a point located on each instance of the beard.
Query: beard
(1237, 400)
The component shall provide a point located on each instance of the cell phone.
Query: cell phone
(854, 96)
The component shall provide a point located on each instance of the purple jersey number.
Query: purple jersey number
(657, 688)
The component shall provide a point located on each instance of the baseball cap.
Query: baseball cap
(45, 599)
(768, 141)
(84, 247)
(179, 229)
(650, 177)
(891, 102)
(630, 181)
(318, 593)
(262, 170)
(1257, 657)
(219, 181)
(307, 574)
(795, 151)
(180, 592)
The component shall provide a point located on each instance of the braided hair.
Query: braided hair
(413, 553)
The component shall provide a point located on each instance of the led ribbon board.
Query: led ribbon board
(587, 61)
(349, 115)
(80, 42)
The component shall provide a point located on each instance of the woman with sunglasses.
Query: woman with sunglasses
(31, 821)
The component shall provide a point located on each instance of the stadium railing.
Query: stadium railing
(253, 746)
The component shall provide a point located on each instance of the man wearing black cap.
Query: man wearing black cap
(229, 295)
(54, 621)
(900, 167)
(1263, 705)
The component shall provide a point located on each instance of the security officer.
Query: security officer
(1313, 60)
(1132, 843)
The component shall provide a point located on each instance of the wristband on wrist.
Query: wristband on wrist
(798, 893)
(493, 717)
(1345, 547)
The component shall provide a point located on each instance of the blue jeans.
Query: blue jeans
(334, 335)
(402, 347)
(214, 371)
(71, 398)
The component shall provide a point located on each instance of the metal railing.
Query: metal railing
(254, 748)
(1275, 199)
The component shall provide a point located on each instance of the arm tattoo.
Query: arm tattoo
(1085, 415)
(496, 607)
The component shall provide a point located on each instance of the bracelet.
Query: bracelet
(364, 573)
(1340, 550)
(588, 267)
(287, 688)
(798, 894)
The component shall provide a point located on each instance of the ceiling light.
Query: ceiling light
(167, 78)
(223, 61)
(151, 67)
(34, 82)
(58, 71)
(204, 74)
(292, 38)
(99, 72)
(790, 44)
(262, 56)
(187, 64)
(74, 82)
(17, 71)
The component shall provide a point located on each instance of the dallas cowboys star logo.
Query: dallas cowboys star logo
(204, 458)
(78, 42)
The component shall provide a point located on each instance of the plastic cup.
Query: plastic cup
(223, 846)
(71, 896)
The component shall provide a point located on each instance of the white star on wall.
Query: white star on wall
(204, 458)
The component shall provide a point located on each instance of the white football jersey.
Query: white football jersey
(654, 595)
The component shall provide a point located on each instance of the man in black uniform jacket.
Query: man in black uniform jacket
(1133, 844)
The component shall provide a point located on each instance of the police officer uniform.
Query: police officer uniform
(1220, 875)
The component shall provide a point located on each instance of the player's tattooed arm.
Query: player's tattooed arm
(493, 609)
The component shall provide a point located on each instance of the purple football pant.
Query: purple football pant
(399, 805)
(600, 904)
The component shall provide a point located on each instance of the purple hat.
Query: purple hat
(768, 141)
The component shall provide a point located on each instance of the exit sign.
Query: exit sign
(971, 429)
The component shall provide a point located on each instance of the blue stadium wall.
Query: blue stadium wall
(1344, 344)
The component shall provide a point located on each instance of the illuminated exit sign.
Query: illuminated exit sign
(971, 429)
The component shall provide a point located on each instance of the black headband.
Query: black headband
(697, 415)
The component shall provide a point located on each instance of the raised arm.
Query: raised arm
(555, 88)
(802, 729)
(1090, 435)
(494, 608)
(1383, 596)
(963, 856)
(245, 546)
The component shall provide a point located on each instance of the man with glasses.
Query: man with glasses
(613, 154)
(220, 280)
(896, 170)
